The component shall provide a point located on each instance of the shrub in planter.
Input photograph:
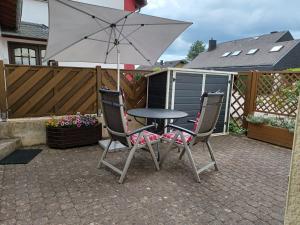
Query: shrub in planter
(73, 131)
(274, 130)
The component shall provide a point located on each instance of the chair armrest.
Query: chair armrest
(139, 130)
(192, 121)
(181, 129)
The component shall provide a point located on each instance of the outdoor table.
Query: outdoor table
(156, 114)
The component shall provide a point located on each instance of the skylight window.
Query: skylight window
(252, 51)
(226, 54)
(235, 53)
(276, 48)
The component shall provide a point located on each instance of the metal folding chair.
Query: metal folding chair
(116, 124)
(204, 126)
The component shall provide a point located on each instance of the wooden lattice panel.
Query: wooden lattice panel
(271, 93)
(133, 83)
(237, 109)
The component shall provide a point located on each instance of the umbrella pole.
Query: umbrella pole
(118, 68)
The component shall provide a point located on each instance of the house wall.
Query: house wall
(292, 212)
(4, 46)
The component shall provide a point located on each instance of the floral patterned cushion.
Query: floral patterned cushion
(171, 135)
(197, 120)
(126, 121)
(151, 136)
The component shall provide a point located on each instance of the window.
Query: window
(26, 54)
(252, 51)
(235, 53)
(226, 54)
(276, 48)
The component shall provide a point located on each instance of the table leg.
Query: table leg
(157, 144)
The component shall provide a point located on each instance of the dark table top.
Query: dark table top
(154, 113)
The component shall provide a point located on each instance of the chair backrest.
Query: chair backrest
(209, 114)
(113, 114)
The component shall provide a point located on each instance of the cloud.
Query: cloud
(226, 20)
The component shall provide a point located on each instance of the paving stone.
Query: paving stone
(65, 187)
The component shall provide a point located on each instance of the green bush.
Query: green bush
(255, 119)
(287, 123)
(236, 129)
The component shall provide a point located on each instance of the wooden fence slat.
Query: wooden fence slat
(98, 86)
(3, 107)
(31, 102)
(16, 74)
(39, 75)
(59, 95)
(75, 98)
(135, 90)
(88, 102)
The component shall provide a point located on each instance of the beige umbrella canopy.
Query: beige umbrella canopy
(80, 32)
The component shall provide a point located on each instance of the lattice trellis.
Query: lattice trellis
(272, 94)
(237, 109)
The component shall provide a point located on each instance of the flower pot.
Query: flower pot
(274, 135)
(63, 137)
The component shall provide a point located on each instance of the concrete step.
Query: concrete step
(8, 146)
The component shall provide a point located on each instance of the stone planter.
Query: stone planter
(62, 138)
(274, 135)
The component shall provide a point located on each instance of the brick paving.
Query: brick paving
(64, 187)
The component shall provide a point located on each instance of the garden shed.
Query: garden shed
(181, 89)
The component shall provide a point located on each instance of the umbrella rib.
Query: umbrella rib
(124, 17)
(135, 48)
(122, 27)
(150, 24)
(100, 25)
(94, 39)
(112, 46)
(82, 11)
(132, 32)
(75, 42)
(106, 53)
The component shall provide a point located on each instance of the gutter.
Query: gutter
(24, 38)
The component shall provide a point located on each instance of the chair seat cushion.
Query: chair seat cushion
(171, 135)
(151, 136)
(197, 121)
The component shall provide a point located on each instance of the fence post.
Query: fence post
(3, 107)
(250, 97)
(98, 86)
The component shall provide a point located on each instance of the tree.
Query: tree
(196, 48)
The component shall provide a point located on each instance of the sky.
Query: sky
(225, 20)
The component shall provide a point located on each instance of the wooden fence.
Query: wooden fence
(133, 83)
(264, 92)
(34, 91)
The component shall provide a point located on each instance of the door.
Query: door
(220, 83)
(187, 93)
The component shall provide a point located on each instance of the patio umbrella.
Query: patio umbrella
(80, 32)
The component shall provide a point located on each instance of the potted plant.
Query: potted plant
(73, 131)
(275, 130)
